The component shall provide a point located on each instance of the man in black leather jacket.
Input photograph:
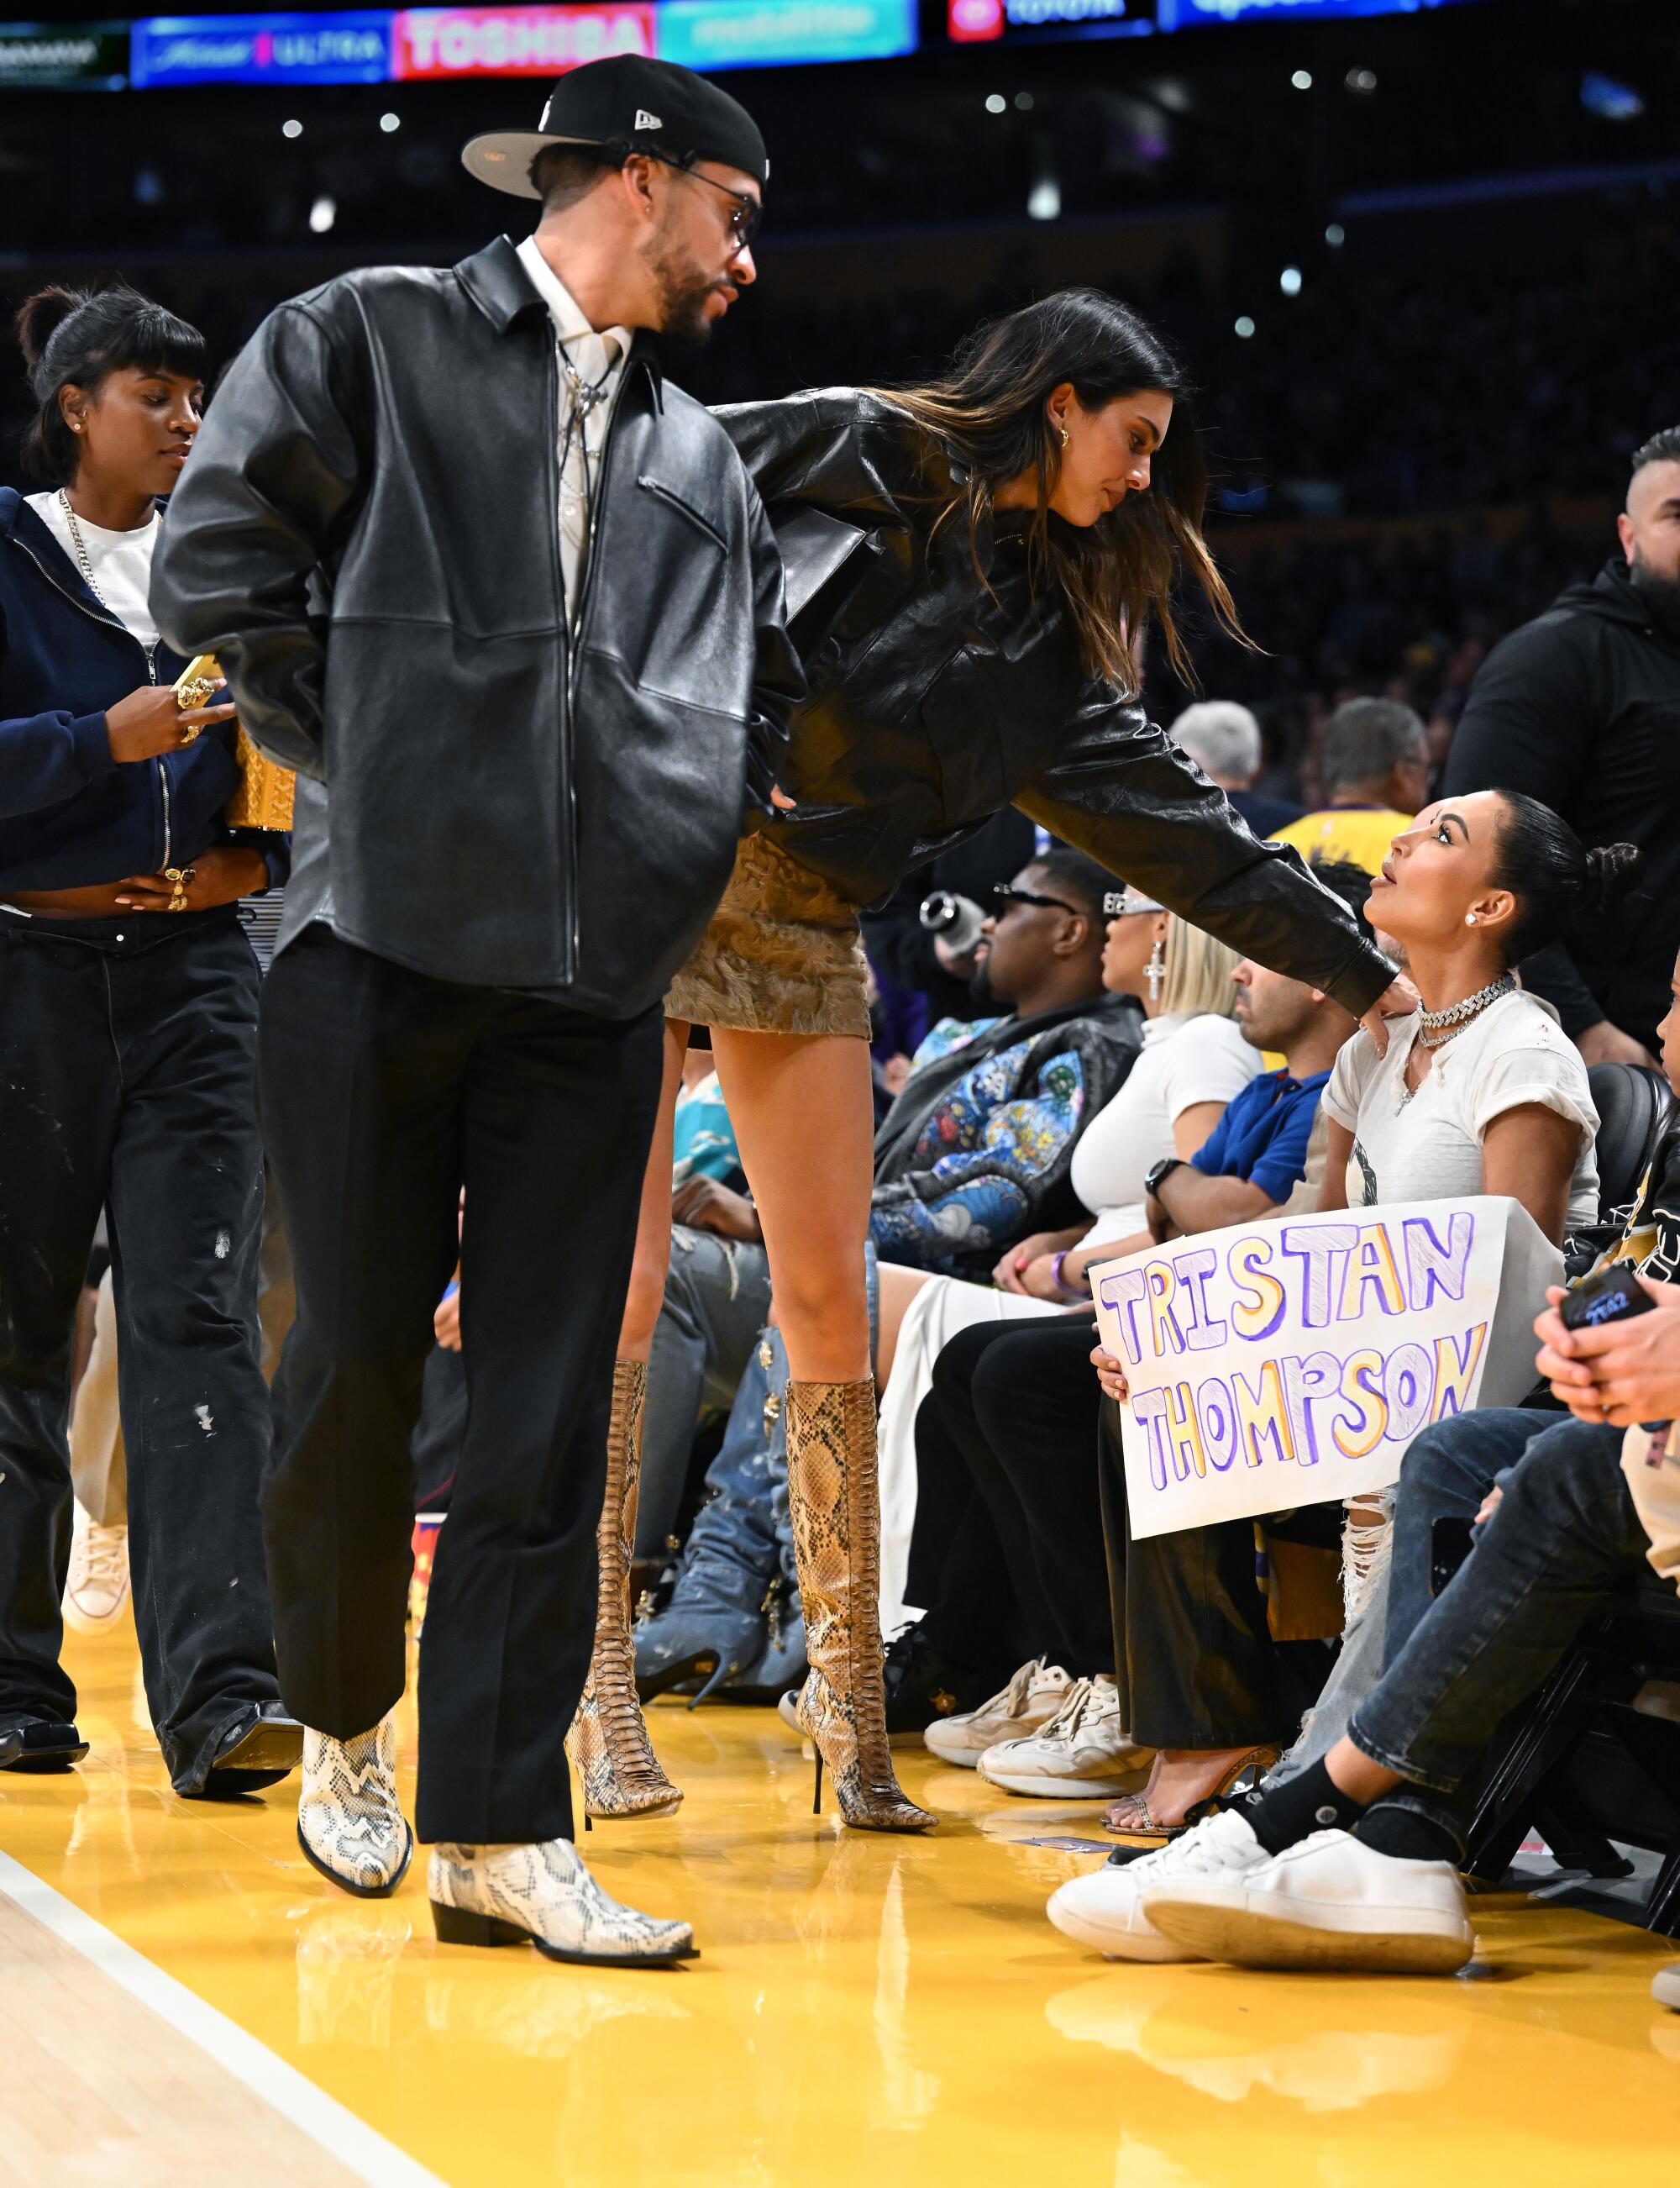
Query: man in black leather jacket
(534, 659)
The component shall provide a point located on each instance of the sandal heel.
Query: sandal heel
(461, 1926)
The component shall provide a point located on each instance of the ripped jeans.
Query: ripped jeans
(126, 1081)
(717, 1299)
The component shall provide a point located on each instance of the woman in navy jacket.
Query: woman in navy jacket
(127, 1040)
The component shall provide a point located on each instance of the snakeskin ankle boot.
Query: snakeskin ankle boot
(835, 1503)
(502, 1895)
(349, 1823)
(608, 1743)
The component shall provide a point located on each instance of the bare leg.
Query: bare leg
(899, 1287)
(804, 1116)
(653, 1226)
(1352, 1772)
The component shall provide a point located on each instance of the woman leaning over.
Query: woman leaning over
(127, 1029)
(972, 566)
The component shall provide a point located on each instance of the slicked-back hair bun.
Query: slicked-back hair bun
(1611, 871)
(1541, 860)
(73, 338)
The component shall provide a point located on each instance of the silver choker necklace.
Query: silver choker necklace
(1443, 1024)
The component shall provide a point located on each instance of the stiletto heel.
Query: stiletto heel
(721, 1672)
(817, 1797)
(461, 1926)
(588, 1821)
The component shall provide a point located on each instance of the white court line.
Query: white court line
(358, 2147)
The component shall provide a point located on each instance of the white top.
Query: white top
(121, 562)
(598, 360)
(1184, 1061)
(1430, 1146)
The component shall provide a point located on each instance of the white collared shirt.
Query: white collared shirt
(599, 359)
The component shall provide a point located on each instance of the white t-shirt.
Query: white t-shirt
(1428, 1146)
(121, 562)
(1184, 1061)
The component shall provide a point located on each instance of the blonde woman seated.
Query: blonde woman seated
(1194, 1061)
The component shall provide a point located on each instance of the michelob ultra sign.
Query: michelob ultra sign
(1274, 1364)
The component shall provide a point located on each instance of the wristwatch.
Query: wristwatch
(1158, 1171)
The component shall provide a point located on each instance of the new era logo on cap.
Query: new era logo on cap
(646, 121)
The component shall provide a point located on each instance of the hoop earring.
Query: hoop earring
(1155, 971)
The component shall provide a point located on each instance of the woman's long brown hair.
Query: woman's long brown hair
(990, 410)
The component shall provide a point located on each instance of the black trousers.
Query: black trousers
(1197, 1665)
(1018, 1402)
(384, 1092)
(127, 1051)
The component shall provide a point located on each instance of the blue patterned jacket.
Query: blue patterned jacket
(976, 1152)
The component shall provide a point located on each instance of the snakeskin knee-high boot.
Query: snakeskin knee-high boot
(608, 1743)
(836, 1498)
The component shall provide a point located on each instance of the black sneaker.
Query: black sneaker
(920, 1684)
(263, 1744)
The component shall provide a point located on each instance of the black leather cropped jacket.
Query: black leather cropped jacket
(936, 700)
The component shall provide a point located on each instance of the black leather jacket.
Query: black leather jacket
(934, 703)
(508, 808)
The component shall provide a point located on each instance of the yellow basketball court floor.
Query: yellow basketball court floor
(181, 1999)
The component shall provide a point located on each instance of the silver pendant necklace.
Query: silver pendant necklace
(85, 565)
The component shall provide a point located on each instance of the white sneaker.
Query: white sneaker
(1081, 1751)
(1105, 1908)
(1030, 1699)
(1665, 1986)
(502, 1895)
(350, 1823)
(1331, 1902)
(96, 1588)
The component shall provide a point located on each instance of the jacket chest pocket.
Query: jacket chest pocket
(683, 507)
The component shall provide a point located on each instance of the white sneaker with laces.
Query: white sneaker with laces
(1082, 1750)
(1028, 1702)
(96, 1588)
(505, 1895)
(1331, 1902)
(350, 1823)
(1105, 1908)
(1665, 1986)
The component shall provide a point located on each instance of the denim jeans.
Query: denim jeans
(1564, 1542)
(716, 1297)
(1446, 1472)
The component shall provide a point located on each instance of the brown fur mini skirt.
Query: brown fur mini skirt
(784, 954)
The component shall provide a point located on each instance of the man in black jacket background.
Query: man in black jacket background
(1581, 708)
(512, 603)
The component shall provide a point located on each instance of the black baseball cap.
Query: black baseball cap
(646, 106)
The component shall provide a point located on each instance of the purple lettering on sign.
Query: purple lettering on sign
(1147, 1408)
(1431, 1267)
(1121, 1294)
(1318, 1247)
(1409, 1388)
(1318, 1376)
(1217, 1414)
(1207, 1331)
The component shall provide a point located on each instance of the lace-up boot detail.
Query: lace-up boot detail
(502, 1895)
(837, 1534)
(350, 1824)
(608, 1743)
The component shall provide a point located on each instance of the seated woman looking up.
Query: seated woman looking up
(1479, 1092)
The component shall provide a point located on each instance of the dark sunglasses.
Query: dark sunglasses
(1006, 893)
(748, 215)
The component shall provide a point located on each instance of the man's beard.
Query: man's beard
(1660, 595)
(980, 987)
(683, 297)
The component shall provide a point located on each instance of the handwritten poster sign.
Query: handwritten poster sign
(1289, 1362)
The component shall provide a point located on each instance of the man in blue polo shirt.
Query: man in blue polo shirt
(1257, 1153)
